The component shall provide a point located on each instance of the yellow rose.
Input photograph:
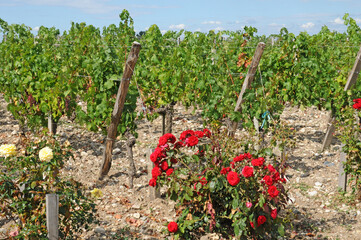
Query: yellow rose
(7, 150)
(46, 154)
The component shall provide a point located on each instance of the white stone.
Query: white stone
(136, 215)
(312, 193)
(136, 206)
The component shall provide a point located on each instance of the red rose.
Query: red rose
(276, 176)
(233, 178)
(357, 104)
(257, 162)
(247, 171)
(157, 154)
(199, 134)
(186, 134)
(260, 220)
(274, 213)
(153, 157)
(271, 168)
(162, 141)
(239, 158)
(168, 137)
(172, 227)
(272, 191)
(192, 141)
(203, 180)
(252, 224)
(268, 180)
(164, 165)
(156, 172)
(224, 171)
(169, 171)
(152, 182)
(207, 132)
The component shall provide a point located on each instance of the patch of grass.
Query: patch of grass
(342, 197)
(302, 186)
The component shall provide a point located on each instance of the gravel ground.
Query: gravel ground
(317, 209)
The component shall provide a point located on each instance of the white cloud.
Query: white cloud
(218, 29)
(338, 21)
(358, 20)
(179, 26)
(36, 29)
(163, 31)
(273, 25)
(308, 25)
(212, 22)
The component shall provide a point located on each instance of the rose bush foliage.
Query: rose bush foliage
(31, 173)
(220, 185)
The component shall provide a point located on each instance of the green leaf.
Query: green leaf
(281, 230)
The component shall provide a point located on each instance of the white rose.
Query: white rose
(7, 150)
(46, 154)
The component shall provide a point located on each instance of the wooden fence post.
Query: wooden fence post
(247, 82)
(118, 109)
(52, 125)
(154, 192)
(52, 216)
(352, 77)
(342, 176)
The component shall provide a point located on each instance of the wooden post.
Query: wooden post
(52, 216)
(118, 108)
(247, 82)
(351, 80)
(169, 118)
(132, 170)
(342, 176)
(154, 192)
(52, 125)
(329, 133)
(354, 72)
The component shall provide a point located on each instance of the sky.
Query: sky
(268, 16)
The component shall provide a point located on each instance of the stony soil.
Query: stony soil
(317, 209)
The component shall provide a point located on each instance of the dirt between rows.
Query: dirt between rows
(317, 209)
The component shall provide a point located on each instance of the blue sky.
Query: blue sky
(268, 16)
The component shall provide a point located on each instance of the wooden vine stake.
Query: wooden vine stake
(247, 82)
(52, 216)
(132, 170)
(342, 176)
(118, 108)
(52, 125)
(352, 77)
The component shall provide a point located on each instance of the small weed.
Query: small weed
(302, 186)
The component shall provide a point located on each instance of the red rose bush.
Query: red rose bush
(219, 190)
